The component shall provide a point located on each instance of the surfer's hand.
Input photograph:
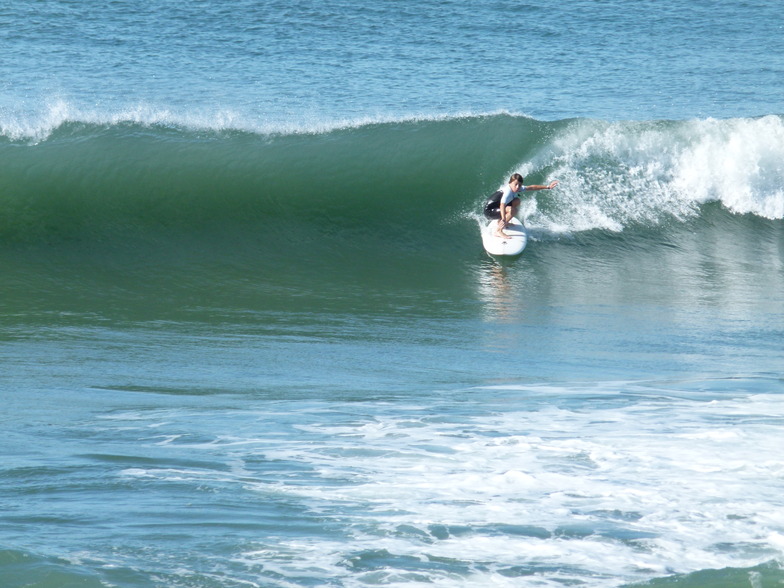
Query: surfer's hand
(552, 185)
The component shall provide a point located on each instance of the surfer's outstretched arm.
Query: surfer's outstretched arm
(549, 186)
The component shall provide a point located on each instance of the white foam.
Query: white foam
(610, 496)
(738, 162)
(616, 174)
(568, 489)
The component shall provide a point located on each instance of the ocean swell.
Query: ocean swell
(414, 180)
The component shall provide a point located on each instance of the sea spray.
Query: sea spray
(614, 175)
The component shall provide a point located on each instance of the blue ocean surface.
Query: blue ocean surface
(249, 336)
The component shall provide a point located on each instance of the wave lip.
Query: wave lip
(39, 124)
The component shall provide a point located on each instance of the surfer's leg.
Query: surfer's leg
(510, 212)
(515, 207)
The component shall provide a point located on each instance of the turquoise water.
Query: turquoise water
(250, 337)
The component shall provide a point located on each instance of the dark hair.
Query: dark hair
(517, 177)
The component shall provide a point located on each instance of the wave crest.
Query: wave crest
(139, 173)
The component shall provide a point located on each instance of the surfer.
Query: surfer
(503, 204)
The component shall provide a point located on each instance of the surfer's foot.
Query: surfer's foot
(501, 234)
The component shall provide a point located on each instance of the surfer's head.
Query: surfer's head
(516, 179)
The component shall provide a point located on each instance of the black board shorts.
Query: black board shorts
(493, 206)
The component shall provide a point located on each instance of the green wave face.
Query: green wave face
(371, 207)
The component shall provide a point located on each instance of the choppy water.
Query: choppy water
(249, 335)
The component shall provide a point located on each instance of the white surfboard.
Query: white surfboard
(512, 245)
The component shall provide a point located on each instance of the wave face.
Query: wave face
(407, 185)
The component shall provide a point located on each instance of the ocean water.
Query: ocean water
(249, 336)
